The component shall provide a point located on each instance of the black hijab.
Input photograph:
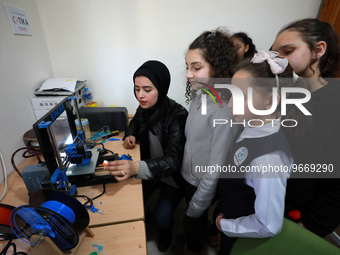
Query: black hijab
(159, 75)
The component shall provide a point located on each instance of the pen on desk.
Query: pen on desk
(114, 139)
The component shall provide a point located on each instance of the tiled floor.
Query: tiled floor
(177, 235)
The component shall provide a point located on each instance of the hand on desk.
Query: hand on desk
(122, 169)
(130, 142)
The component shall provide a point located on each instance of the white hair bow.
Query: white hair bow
(277, 65)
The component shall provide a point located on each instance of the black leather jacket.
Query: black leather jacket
(168, 124)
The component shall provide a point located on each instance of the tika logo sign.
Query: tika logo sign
(238, 99)
(19, 20)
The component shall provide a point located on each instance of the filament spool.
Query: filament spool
(82, 220)
(6, 231)
(54, 214)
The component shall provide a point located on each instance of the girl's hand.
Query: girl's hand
(122, 169)
(301, 224)
(130, 142)
(218, 221)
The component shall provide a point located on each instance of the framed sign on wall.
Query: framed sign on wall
(19, 20)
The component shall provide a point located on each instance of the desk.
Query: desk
(127, 238)
(121, 203)
(119, 239)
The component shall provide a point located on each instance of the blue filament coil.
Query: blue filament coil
(51, 213)
(52, 219)
(60, 209)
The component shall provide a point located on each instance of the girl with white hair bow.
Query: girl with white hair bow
(252, 204)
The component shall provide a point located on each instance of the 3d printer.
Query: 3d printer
(68, 161)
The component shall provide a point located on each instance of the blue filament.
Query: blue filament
(60, 209)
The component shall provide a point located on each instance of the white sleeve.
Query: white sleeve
(269, 202)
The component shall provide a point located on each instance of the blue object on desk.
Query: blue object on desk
(126, 157)
(114, 139)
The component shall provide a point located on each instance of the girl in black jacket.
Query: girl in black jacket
(159, 127)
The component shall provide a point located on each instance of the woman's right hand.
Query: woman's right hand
(130, 142)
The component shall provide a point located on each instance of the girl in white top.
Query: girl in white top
(252, 204)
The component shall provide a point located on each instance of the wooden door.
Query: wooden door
(330, 12)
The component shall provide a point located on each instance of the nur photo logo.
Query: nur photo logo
(280, 98)
(204, 99)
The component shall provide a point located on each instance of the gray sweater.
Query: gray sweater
(156, 151)
(205, 146)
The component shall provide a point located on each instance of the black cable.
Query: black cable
(110, 151)
(87, 200)
(90, 200)
(8, 245)
(101, 193)
(103, 150)
(102, 134)
(7, 236)
(25, 156)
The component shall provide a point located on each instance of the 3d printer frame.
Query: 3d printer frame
(77, 176)
(42, 134)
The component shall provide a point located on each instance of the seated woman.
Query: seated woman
(159, 126)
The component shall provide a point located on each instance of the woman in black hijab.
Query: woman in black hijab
(158, 125)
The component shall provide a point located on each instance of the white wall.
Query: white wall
(106, 41)
(24, 64)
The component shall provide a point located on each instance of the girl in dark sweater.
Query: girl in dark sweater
(312, 49)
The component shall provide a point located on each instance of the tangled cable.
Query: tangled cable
(27, 150)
